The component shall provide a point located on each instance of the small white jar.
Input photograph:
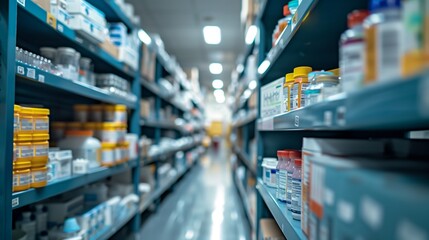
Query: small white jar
(269, 172)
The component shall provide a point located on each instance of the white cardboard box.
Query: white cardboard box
(87, 28)
(87, 10)
(272, 98)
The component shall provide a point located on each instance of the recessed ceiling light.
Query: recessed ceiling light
(144, 37)
(212, 34)
(247, 93)
(218, 92)
(264, 66)
(220, 99)
(216, 68)
(240, 68)
(251, 34)
(253, 84)
(217, 84)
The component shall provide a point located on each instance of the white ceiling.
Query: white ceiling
(180, 24)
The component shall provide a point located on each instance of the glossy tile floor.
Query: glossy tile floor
(204, 205)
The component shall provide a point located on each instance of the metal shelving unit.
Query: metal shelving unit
(290, 227)
(245, 160)
(24, 198)
(25, 24)
(378, 111)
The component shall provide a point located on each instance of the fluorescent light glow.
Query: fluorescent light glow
(264, 66)
(212, 34)
(220, 99)
(217, 84)
(216, 68)
(218, 92)
(144, 37)
(240, 68)
(251, 34)
(253, 84)
(247, 93)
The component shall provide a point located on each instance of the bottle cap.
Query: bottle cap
(286, 11)
(357, 17)
(295, 154)
(301, 71)
(282, 153)
(289, 77)
(298, 162)
(71, 225)
(377, 5)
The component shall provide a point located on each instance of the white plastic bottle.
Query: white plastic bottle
(83, 145)
(28, 225)
(41, 219)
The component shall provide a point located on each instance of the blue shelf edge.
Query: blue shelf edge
(68, 33)
(24, 198)
(289, 32)
(397, 105)
(168, 153)
(78, 88)
(291, 228)
(251, 116)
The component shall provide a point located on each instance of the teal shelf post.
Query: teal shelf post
(8, 13)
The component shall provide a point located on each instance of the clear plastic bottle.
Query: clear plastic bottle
(314, 90)
(383, 31)
(282, 155)
(290, 169)
(352, 52)
(296, 190)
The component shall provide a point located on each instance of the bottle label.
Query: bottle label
(289, 188)
(25, 152)
(389, 42)
(41, 124)
(24, 179)
(39, 176)
(26, 124)
(303, 96)
(41, 151)
(296, 195)
(294, 97)
(282, 182)
(352, 65)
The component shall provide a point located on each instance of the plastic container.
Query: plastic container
(269, 172)
(94, 127)
(300, 76)
(41, 151)
(352, 52)
(39, 176)
(383, 31)
(413, 21)
(58, 130)
(96, 113)
(109, 132)
(293, 6)
(115, 113)
(125, 154)
(66, 61)
(74, 126)
(41, 218)
(108, 157)
(287, 88)
(290, 169)
(48, 52)
(85, 71)
(133, 139)
(80, 166)
(16, 124)
(284, 22)
(83, 145)
(122, 132)
(28, 225)
(21, 176)
(81, 113)
(296, 190)
(281, 174)
(118, 154)
(321, 81)
(24, 151)
(41, 120)
(26, 120)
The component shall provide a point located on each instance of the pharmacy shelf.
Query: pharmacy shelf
(300, 44)
(291, 228)
(160, 124)
(154, 89)
(36, 24)
(153, 196)
(396, 105)
(30, 75)
(24, 198)
(168, 153)
(244, 159)
(250, 117)
(245, 200)
(119, 223)
(113, 12)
